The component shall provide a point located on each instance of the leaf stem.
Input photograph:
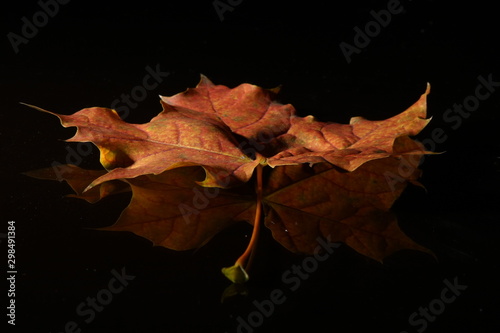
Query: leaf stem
(237, 273)
(256, 223)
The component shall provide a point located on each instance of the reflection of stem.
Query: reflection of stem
(256, 223)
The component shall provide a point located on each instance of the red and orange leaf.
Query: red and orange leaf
(247, 110)
(189, 170)
(301, 203)
(304, 203)
(170, 140)
(347, 146)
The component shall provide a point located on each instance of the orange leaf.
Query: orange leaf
(170, 140)
(247, 110)
(347, 146)
(304, 203)
(189, 170)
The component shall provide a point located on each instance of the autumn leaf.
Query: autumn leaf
(170, 140)
(347, 146)
(216, 156)
(247, 110)
(301, 204)
(304, 203)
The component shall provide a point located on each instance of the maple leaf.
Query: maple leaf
(190, 170)
(347, 146)
(304, 203)
(247, 110)
(170, 140)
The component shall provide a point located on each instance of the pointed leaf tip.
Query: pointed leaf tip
(204, 81)
(36, 107)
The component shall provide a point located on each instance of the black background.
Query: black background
(91, 52)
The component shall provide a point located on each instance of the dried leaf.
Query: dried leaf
(170, 140)
(191, 171)
(246, 110)
(304, 203)
(347, 146)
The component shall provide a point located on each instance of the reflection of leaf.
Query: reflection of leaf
(79, 179)
(172, 211)
(305, 203)
(191, 172)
